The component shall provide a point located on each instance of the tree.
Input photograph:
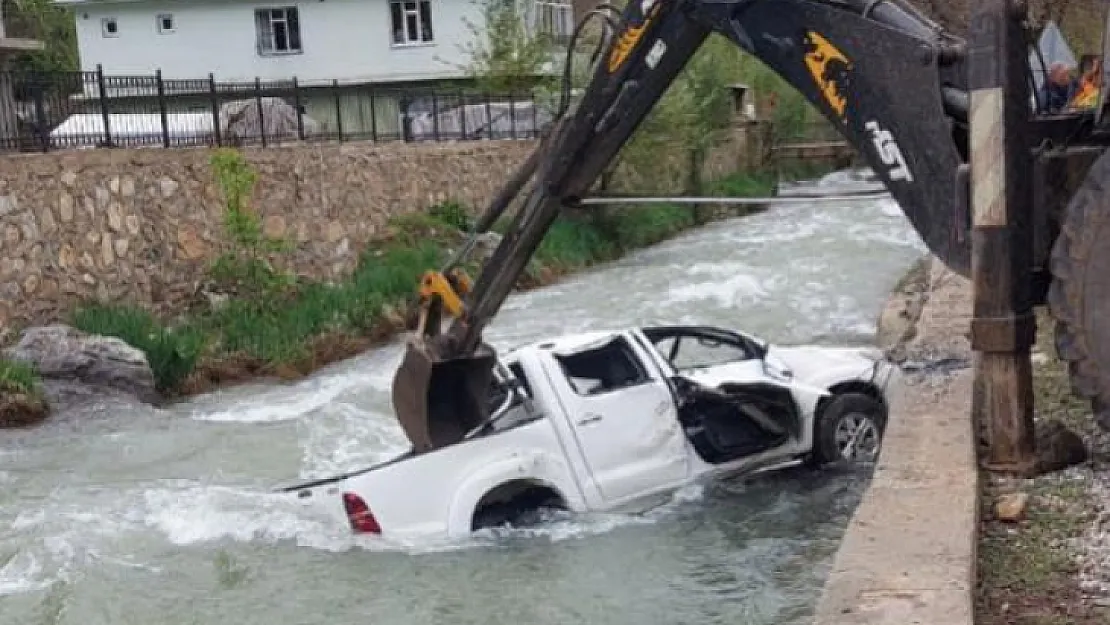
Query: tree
(698, 106)
(505, 54)
(51, 24)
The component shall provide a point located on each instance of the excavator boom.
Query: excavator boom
(887, 77)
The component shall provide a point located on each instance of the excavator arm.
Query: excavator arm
(886, 76)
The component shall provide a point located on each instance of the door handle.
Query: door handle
(589, 418)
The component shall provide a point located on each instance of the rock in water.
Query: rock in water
(67, 355)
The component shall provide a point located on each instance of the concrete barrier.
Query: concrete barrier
(908, 554)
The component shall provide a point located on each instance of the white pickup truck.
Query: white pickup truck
(617, 421)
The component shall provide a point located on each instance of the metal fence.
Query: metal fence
(42, 112)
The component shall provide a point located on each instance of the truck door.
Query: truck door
(624, 420)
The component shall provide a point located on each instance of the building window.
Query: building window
(412, 21)
(555, 20)
(165, 23)
(109, 27)
(279, 31)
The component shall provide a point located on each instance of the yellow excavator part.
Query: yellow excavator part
(435, 284)
(438, 401)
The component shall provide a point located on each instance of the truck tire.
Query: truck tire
(847, 414)
(1079, 295)
(524, 509)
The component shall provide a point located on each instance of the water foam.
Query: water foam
(188, 514)
(372, 371)
(280, 403)
(22, 573)
(198, 515)
(348, 437)
(735, 291)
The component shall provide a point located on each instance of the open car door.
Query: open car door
(733, 364)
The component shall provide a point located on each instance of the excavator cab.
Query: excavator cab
(1100, 108)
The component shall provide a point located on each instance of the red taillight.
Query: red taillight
(358, 513)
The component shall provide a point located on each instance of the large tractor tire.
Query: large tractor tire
(1079, 296)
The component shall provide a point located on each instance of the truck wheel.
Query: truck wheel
(1079, 296)
(849, 429)
(521, 510)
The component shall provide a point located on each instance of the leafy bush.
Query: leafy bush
(246, 268)
(573, 243)
(280, 334)
(640, 226)
(453, 214)
(759, 184)
(171, 352)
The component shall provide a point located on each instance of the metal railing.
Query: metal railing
(68, 110)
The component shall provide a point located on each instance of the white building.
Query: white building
(376, 51)
(314, 40)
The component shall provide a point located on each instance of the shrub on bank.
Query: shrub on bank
(172, 352)
(280, 332)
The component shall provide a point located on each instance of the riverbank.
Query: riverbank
(256, 320)
(906, 555)
(937, 540)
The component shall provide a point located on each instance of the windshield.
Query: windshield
(688, 349)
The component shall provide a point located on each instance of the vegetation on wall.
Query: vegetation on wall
(18, 377)
(246, 268)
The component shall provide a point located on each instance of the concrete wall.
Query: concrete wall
(345, 39)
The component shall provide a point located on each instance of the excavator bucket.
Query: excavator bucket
(438, 401)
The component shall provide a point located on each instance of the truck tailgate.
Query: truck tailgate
(434, 493)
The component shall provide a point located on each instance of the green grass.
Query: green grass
(641, 226)
(277, 325)
(279, 332)
(755, 184)
(171, 352)
(18, 377)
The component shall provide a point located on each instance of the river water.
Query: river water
(159, 517)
